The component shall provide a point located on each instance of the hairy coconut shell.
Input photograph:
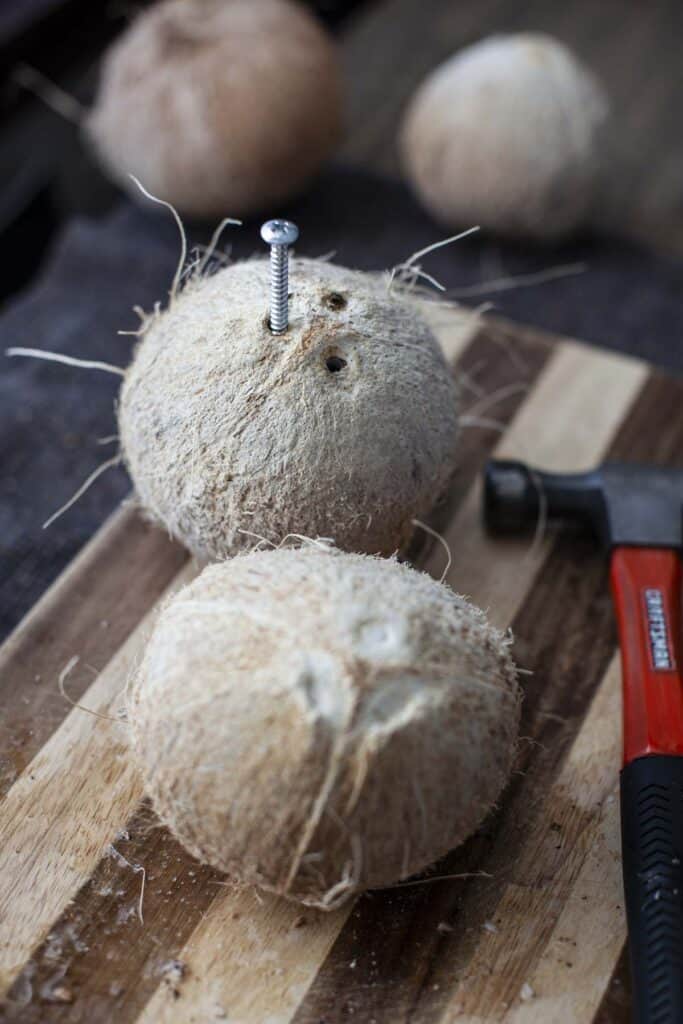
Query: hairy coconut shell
(344, 427)
(505, 135)
(220, 107)
(317, 723)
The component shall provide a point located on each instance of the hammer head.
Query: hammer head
(625, 505)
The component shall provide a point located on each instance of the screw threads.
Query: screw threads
(279, 234)
(279, 288)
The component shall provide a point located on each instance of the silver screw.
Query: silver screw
(279, 235)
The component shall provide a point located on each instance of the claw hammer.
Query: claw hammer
(636, 512)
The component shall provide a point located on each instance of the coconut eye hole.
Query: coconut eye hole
(335, 364)
(334, 301)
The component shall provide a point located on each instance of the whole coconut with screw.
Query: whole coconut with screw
(506, 134)
(317, 723)
(345, 426)
(218, 106)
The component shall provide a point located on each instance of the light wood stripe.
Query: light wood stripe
(601, 920)
(251, 959)
(68, 804)
(596, 379)
(454, 331)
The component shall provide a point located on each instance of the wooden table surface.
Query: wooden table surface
(535, 929)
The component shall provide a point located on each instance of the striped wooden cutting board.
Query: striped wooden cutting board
(534, 934)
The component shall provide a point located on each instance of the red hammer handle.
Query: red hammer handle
(646, 584)
(646, 587)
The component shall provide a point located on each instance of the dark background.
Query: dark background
(76, 255)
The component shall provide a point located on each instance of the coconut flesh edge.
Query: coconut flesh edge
(345, 427)
(317, 723)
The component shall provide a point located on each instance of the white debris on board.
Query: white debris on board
(54, 990)
(111, 851)
(526, 992)
(173, 971)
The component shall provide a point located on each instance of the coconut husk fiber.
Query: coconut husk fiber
(51, 416)
(345, 426)
(300, 716)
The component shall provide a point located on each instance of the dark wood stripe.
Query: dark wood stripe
(615, 1007)
(99, 962)
(89, 612)
(107, 953)
(404, 966)
(653, 432)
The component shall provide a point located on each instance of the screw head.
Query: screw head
(279, 232)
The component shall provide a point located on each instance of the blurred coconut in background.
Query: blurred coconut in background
(505, 134)
(218, 106)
